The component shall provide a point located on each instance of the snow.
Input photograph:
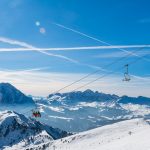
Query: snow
(71, 111)
(16, 128)
(37, 140)
(56, 109)
(59, 117)
(75, 117)
(137, 109)
(125, 135)
(19, 132)
(74, 112)
(85, 104)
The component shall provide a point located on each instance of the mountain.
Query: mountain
(85, 96)
(72, 112)
(10, 95)
(81, 111)
(16, 128)
(125, 135)
(135, 100)
(76, 111)
(91, 96)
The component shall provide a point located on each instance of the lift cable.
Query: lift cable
(108, 65)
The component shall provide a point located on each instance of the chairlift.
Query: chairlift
(126, 74)
(36, 113)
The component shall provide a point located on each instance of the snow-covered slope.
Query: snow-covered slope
(10, 95)
(126, 135)
(16, 129)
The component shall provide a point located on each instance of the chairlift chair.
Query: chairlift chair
(36, 113)
(126, 74)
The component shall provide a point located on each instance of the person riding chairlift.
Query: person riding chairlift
(36, 114)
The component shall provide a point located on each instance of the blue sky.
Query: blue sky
(73, 23)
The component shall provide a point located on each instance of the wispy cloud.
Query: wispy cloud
(44, 83)
(14, 72)
(24, 70)
(141, 78)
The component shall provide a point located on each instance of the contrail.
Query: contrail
(15, 42)
(27, 47)
(83, 34)
(56, 55)
(95, 39)
(43, 50)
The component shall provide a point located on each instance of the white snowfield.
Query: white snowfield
(126, 135)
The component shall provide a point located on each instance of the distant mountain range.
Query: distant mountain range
(85, 96)
(11, 95)
(135, 100)
(75, 111)
(79, 111)
(91, 96)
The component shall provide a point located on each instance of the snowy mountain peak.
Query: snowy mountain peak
(16, 128)
(10, 95)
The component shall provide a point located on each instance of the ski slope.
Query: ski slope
(126, 135)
